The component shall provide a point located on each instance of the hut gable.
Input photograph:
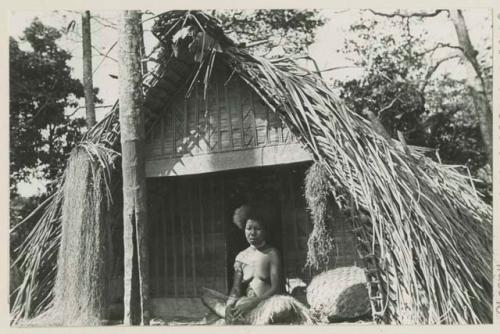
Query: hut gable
(228, 128)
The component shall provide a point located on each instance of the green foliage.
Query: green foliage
(389, 87)
(41, 87)
(401, 86)
(292, 30)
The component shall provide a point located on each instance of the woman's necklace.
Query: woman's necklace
(259, 247)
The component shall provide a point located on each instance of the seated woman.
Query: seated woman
(257, 269)
(256, 296)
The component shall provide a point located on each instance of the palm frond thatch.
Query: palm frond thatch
(37, 255)
(427, 220)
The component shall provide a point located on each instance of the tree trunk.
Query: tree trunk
(87, 70)
(134, 180)
(144, 62)
(475, 81)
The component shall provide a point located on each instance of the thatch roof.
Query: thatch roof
(429, 246)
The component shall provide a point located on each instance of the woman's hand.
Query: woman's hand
(245, 304)
(231, 301)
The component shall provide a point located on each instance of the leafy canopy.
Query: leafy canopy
(283, 31)
(41, 88)
(408, 93)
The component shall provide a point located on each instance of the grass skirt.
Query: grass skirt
(278, 309)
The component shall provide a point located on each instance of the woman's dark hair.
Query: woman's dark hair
(250, 211)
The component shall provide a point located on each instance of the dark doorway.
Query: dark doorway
(255, 185)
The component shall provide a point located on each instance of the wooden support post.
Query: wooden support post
(136, 264)
(88, 85)
(475, 81)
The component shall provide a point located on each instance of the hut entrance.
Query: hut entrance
(192, 236)
(193, 241)
(262, 185)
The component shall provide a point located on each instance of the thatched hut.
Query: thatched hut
(226, 127)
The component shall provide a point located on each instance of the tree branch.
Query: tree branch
(438, 46)
(81, 107)
(408, 14)
(104, 22)
(433, 69)
(337, 68)
(105, 55)
(388, 106)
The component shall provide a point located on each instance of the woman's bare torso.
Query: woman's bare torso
(255, 265)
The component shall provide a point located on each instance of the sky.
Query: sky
(326, 50)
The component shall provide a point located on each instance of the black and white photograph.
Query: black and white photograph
(266, 166)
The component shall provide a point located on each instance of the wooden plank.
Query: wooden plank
(267, 125)
(212, 200)
(256, 141)
(155, 254)
(240, 104)
(223, 216)
(293, 206)
(162, 134)
(202, 222)
(251, 157)
(192, 205)
(174, 139)
(207, 125)
(197, 117)
(151, 247)
(219, 117)
(182, 221)
(229, 113)
(163, 215)
(185, 127)
(285, 235)
(219, 232)
(174, 235)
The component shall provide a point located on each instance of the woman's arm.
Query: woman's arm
(246, 304)
(237, 279)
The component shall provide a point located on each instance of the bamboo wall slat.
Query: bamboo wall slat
(162, 219)
(231, 117)
(173, 241)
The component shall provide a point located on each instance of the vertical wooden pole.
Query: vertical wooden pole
(134, 180)
(88, 85)
(475, 82)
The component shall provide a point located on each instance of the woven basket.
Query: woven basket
(339, 295)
